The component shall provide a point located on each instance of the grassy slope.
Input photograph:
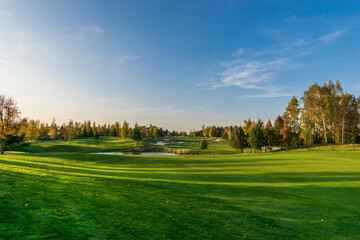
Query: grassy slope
(347, 147)
(84, 145)
(215, 147)
(106, 144)
(295, 195)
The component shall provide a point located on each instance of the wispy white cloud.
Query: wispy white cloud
(239, 51)
(202, 84)
(260, 69)
(287, 43)
(331, 36)
(272, 93)
(253, 74)
(247, 75)
(266, 95)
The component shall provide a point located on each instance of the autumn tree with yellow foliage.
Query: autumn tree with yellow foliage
(9, 113)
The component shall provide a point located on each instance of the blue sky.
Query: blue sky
(177, 64)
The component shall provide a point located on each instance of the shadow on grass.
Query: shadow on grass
(185, 173)
(167, 209)
(161, 160)
(103, 203)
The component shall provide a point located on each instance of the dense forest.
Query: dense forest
(29, 130)
(324, 115)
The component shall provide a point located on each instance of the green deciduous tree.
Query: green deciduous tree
(278, 124)
(32, 131)
(204, 144)
(156, 132)
(212, 131)
(64, 133)
(269, 135)
(136, 135)
(285, 132)
(125, 130)
(292, 112)
(237, 139)
(256, 137)
(9, 113)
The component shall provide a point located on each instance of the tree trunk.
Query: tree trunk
(343, 130)
(325, 132)
(2, 146)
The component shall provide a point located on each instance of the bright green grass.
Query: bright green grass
(108, 144)
(295, 195)
(85, 145)
(214, 147)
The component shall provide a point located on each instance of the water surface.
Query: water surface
(134, 153)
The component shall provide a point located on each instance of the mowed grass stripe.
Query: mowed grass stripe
(243, 179)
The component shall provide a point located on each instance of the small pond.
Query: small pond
(135, 153)
(164, 143)
(161, 143)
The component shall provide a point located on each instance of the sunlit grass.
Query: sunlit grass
(295, 195)
(116, 144)
(83, 145)
(214, 147)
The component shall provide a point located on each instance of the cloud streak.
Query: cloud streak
(260, 69)
(331, 36)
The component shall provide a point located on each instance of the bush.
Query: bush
(13, 147)
(14, 139)
(185, 152)
(25, 144)
(179, 151)
(204, 144)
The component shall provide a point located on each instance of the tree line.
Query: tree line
(16, 132)
(323, 115)
(36, 130)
